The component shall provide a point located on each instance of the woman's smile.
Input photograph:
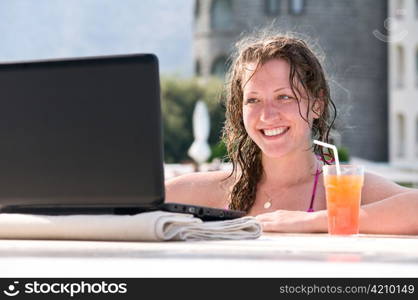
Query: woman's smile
(274, 133)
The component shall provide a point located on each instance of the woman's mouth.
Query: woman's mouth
(275, 132)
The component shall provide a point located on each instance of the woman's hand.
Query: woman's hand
(293, 221)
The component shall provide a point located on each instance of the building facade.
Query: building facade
(355, 59)
(403, 82)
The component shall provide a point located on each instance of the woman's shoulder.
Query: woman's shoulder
(377, 187)
(200, 188)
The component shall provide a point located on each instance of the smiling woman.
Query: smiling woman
(277, 102)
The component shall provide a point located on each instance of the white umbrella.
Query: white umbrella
(200, 150)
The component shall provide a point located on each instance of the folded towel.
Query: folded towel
(148, 226)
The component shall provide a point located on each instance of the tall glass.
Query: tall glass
(343, 195)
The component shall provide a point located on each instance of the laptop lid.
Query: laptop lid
(81, 132)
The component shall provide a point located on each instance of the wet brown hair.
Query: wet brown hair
(305, 69)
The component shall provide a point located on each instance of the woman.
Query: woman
(278, 101)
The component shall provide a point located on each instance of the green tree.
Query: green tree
(343, 154)
(179, 97)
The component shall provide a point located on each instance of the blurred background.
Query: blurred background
(370, 49)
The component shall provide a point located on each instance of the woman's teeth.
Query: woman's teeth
(276, 131)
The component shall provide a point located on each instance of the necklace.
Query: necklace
(267, 204)
(269, 201)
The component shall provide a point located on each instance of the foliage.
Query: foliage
(219, 151)
(179, 97)
(343, 154)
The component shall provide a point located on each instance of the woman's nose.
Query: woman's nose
(269, 113)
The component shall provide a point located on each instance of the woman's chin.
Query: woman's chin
(275, 153)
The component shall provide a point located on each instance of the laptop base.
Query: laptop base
(203, 213)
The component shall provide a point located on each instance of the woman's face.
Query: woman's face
(271, 112)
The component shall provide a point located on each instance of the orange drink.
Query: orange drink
(343, 195)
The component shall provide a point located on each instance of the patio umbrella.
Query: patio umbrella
(200, 150)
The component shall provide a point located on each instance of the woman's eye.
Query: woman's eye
(285, 97)
(251, 100)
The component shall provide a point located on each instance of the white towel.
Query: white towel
(149, 226)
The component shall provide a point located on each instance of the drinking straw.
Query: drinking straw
(334, 150)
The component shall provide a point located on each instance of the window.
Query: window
(416, 9)
(399, 66)
(296, 6)
(399, 8)
(272, 7)
(197, 70)
(219, 67)
(416, 137)
(196, 8)
(416, 67)
(221, 14)
(400, 143)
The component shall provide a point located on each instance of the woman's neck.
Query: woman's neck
(290, 170)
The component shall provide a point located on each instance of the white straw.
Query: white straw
(334, 149)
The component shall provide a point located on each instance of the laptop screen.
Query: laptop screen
(81, 132)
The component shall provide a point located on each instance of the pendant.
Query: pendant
(267, 205)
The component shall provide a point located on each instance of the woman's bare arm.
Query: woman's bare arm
(203, 188)
(394, 215)
(387, 209)
(377, 188)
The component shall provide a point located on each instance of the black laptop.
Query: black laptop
(84, 136)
